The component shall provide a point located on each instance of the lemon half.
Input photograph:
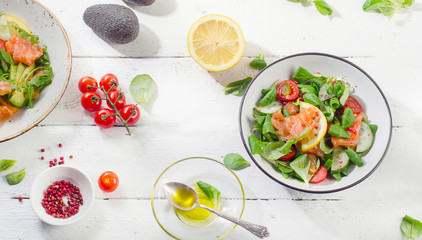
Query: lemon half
(318, 133)
(216, 42)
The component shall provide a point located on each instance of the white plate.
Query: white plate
(52, 34)
(371, 97)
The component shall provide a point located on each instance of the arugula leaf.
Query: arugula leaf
(323, 7)
(6, 56)
(142, 88)
(209, 190)
(348, 118)
(259, 62)
(44, 60)
(235, 162)
(411, 227)
(42, 79)
(237, 87)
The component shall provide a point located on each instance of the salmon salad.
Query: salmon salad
(311, 127)
(24, 66)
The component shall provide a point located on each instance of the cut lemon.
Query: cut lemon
(216, 42)
(14, 21)
(317, 133)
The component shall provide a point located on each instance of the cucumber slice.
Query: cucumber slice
(324, 146)
(340, 160)
(270, 109)
(366, 138)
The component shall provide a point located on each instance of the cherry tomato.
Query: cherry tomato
(320, 175)
(118, 98)
(130, 113)
(91, 101)
(86, 81)
(287, 91)
(102, 121)
(2, 44)
(107, 80)
(353, 104)
(290, 155)
(108, 181)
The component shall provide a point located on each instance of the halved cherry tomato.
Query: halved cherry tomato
(91, 101)
(118, 98)
(108, 181)
(130, 113)
(287, 90)
(2, 44)
(107, 80)
(320, 175)
(290, 155)
(353, 104)
(86, 81)
(104, 118)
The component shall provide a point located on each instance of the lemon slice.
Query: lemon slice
(14, 21)
(317, 133)
(216, 42)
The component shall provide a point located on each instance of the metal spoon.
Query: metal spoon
(171, 187)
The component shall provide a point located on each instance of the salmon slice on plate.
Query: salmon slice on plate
(353, 131)
(6, 109)
(5, 88)
(23, 50)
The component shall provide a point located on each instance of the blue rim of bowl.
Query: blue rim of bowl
(246, 145)
(190, 158)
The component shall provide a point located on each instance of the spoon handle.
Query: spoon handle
(257, 230)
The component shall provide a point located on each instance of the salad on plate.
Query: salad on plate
(311, 127)
(24, 66)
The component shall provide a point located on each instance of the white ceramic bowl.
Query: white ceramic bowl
(52, 34)
(58, 173)
(372, 99)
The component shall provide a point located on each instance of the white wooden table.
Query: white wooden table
(191, 116)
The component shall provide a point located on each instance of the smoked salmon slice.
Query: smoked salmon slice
(23, 50)
(6, 109)
(292, 126)
(5, 88)
(353, 131)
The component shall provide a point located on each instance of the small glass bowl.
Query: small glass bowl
(189, 171)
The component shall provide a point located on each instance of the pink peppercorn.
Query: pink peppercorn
(20, 198)
(42, 149)
(61, 158)
(60, 145)
(53, 199)
(71, 156)
(42, 158)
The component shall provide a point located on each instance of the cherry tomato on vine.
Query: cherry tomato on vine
(118, 98)
(108, 181)
(2, 44)
(104, 118)
(290, 155)
(107, 80)
(130, 113)
(86, 81)
(287, 90)
(91, 101)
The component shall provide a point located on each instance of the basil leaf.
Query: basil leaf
(302, 75)
(6, 56)
(334, 103)
(142, 88)
(210, 191)
(235, 162)
(337, 131)
(237, 87)
(268, 98)
(256, 145)
(15, 177)
(301, 166)
(374, 128)
(275, 150)
(354, 157)
(348, 118)
(411, 227)
(6, 164)
(259, 62)
(28, 94)
(307, 89)
(323, 7)
(312, 99)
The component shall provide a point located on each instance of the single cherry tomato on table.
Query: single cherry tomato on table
(91, 101)
(130, 113)
(2, 44)
(108, 80)
(108, 181)
(290, 155)
(86, 81)
(320, 175)
(118, 98)
(287, 90)
(353, 104)
(105, 118)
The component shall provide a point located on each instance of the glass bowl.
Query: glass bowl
(189, 171)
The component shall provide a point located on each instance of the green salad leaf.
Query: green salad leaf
(348, 118)
(411, 227)
(235, 162)
(256, 145)
(15, 177)
(237, 87)
(268, 98)
(301, 166)
(209, 190)
(259, 62)
(6, 164)
(142, 88)
(337, 131)
(386, 7)
(354, 157)
(323, 7)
